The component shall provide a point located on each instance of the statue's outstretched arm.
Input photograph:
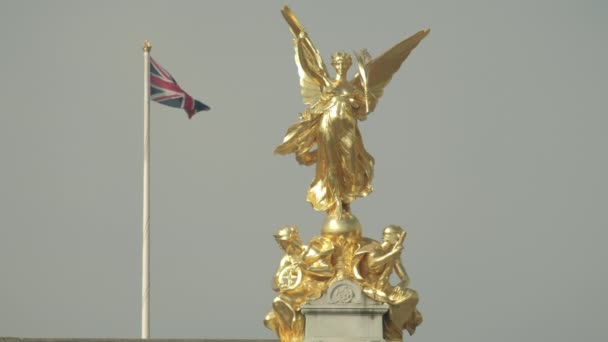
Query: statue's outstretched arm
(311, 69)
(400, 270)
(310, 64)
(375, 261)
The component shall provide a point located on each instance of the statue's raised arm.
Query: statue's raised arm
(311, 69)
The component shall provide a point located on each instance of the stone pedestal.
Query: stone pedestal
(343, 314)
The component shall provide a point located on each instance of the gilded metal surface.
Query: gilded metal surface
(303, 274)
(307, 271)
(346, 224)
(373, 263)
(327, 135)
(147, 46)
(344, 169)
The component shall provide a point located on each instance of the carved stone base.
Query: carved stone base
(343, 314)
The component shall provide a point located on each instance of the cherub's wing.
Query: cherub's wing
(380, 71)
(311, 68)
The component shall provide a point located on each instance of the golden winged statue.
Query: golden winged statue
(344, 169)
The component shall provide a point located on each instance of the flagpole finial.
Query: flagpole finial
(147, 46)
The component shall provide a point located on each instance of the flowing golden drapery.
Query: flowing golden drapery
(344, 169)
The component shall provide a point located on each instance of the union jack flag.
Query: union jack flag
(164, 89)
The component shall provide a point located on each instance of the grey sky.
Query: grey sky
(490, 147)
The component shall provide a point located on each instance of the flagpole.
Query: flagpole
(145, 274)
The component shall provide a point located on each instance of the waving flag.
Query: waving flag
(164, 89)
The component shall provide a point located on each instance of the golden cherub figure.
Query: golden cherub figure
(373, 264)
(302, 275)
(344, 168)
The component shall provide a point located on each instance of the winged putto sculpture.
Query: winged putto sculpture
(327, 134)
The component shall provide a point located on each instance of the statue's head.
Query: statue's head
(392, 233)
(286, 236)
(341, 61)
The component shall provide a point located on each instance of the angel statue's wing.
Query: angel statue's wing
(378, 72)
(312, 71)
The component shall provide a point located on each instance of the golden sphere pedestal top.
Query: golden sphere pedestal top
(346, 225)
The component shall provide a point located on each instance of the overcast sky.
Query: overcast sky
(490, 147)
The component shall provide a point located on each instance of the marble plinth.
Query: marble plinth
(343, 314)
